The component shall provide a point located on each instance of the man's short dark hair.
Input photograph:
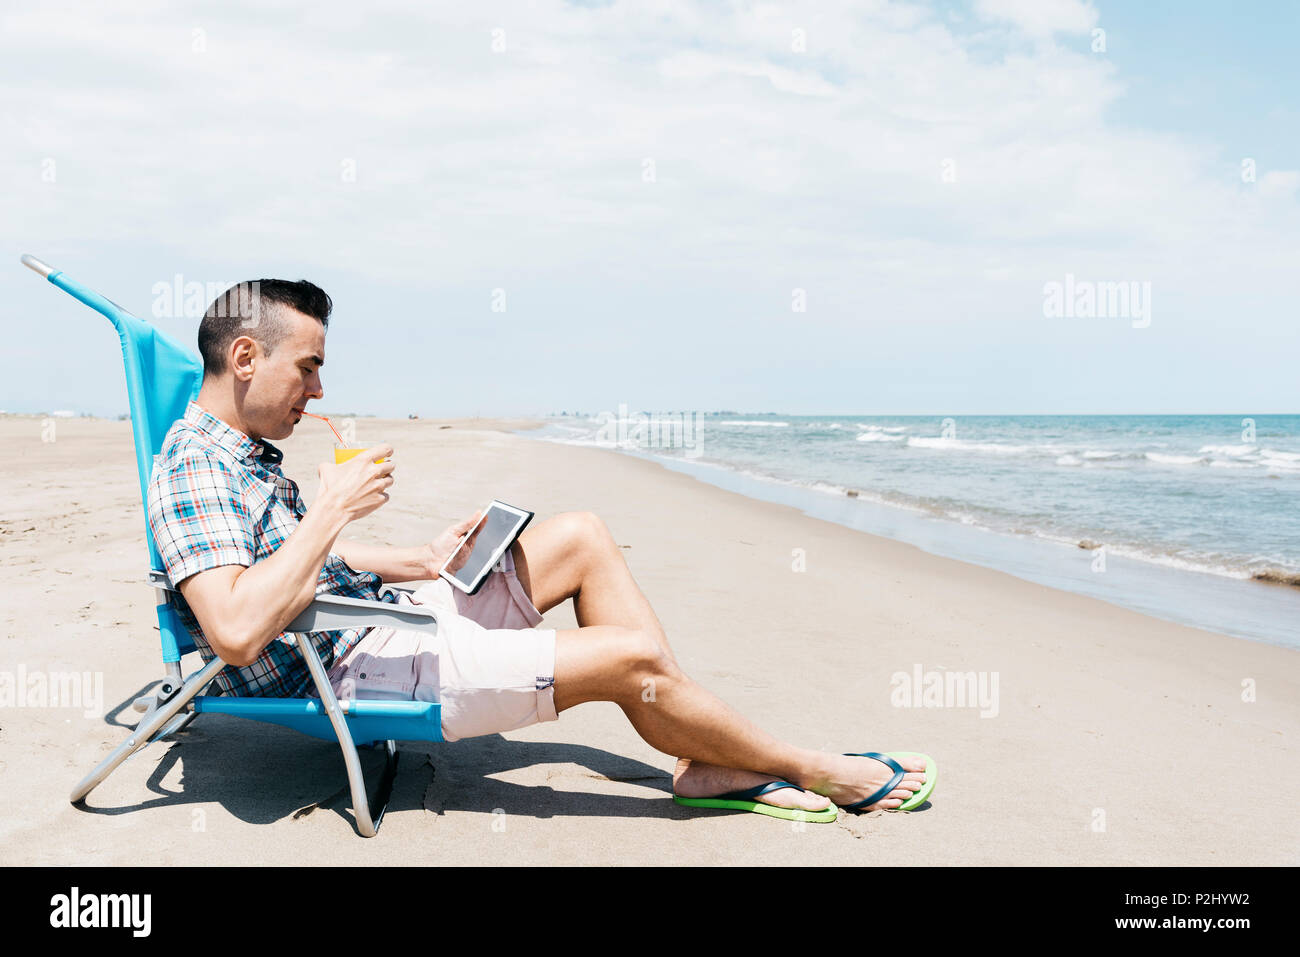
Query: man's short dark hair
(254, 309)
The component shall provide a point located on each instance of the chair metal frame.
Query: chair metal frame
(162, 377)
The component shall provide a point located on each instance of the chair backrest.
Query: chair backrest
(162, 376)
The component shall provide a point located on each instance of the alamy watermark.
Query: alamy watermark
(177, 299)
(348, 431)
(652, 430)
(945, 689)
(1088, 299)
(77, 909)
(53, 689)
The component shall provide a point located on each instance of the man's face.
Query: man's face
(283, 382)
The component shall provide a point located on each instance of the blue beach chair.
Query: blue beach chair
(161, 378)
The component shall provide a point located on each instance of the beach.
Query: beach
(1097, 735)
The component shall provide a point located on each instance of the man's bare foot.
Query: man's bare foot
(848, 779)
(695, 779)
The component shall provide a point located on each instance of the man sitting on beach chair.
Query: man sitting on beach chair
(248, 555)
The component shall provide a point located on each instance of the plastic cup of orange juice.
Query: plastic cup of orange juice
(342, 455)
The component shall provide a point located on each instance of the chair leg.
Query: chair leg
(146, 732)
(366, 819)
(180, 724)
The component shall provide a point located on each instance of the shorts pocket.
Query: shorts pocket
(390, 667)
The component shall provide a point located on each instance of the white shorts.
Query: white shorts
(490, 668)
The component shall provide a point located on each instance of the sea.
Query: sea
(1192, 518)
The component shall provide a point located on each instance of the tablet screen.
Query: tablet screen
(496, 530)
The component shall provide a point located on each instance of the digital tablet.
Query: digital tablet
(495, 532)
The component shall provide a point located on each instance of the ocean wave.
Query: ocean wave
(879, 437)
(1161, 458)
(1274, 461)
(1240, 457)
(966, 445)
(1273, 466)
(779, 425)
(1231, 451)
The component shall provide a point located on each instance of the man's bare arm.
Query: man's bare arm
(416, 563)
(243, 609)
(391, 563)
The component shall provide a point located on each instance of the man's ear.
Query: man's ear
(243, 351)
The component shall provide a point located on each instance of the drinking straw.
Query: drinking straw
(327, 422)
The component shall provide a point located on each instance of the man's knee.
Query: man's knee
(611, 663)
(644, 663)
(587, 529)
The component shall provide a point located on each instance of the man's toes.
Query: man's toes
(894, 799)
(813, 802)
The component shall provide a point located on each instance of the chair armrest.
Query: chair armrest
(334, 612)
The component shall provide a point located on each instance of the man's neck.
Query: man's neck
(221, 403)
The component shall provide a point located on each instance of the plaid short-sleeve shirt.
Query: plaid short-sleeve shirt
(217, 497)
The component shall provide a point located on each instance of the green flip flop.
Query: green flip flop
(744, 801)
(917, 799)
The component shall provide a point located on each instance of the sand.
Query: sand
(1118, 739)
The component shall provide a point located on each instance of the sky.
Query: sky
(522, 208)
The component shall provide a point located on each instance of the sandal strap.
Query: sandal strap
(893, 782)
(750, 793)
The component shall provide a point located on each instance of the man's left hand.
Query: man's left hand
(442, 546)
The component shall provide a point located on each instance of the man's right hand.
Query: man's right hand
(358, 486)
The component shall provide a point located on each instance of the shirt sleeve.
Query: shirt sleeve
(197, 516)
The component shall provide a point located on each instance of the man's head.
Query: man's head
(263, 344)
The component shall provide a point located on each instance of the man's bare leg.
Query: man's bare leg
(675, 715)
(574, 556)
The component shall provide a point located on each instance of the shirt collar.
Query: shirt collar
(240, 445)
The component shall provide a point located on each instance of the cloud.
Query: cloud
(1041, 18)
(1279, 182)
(699, 66)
